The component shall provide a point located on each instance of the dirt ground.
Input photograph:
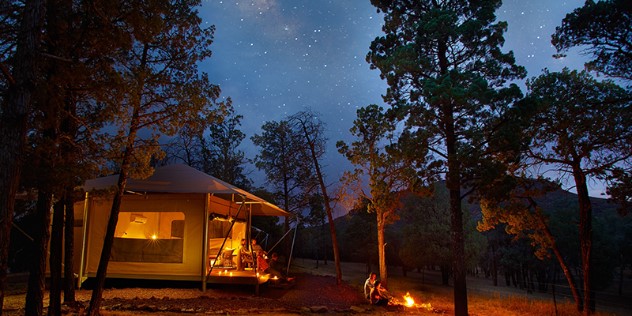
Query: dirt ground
(314, 291)
(309, 293)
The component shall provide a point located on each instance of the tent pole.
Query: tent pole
(289, 259)
(252, 255)
(281, 239)
(205, 241)
(83, 241)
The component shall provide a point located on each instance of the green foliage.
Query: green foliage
(449, 83)
(161, 87)
(358, 241)
(387, 168)
(601, 29)
(379, 161)
(426, 231)
(284, 163)
(447, 75)
(620, 189)
(539, 216)
(586, 121)
(212, 146)
(310, 131)
(220, 153)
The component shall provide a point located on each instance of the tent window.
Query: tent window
(149, 237)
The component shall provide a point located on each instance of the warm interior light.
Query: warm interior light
(138, 218)
(154, 236)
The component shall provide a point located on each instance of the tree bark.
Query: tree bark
(453, 184)
(97, 293)
(69, 237)
(585, 234)
(494, 266)
(34, 304)
(381, 245)
(55, 260)
(14, 118)
(96, 298)
(330, 218)
(560, 259)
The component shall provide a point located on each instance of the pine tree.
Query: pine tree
(448, 79)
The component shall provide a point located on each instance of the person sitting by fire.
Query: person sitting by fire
(379, 295)
(245, 256)
(261, 255)
(275, 268)
(369, 284)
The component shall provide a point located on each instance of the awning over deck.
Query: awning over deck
(180, 178)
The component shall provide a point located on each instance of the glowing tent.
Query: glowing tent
(172, 226)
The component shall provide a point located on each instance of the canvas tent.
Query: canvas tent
(173, 226)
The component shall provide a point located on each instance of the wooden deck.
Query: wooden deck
(233, 276)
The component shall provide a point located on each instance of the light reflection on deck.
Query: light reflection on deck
(233, 276)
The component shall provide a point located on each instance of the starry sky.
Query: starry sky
(277, 57)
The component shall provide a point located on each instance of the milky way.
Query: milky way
(277, 57)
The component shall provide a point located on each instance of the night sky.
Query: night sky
(277, 57)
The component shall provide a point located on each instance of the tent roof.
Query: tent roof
(180, 178)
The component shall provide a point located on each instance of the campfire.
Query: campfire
(410, 302)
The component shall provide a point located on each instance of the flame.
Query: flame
(426, 306)
(410, 302)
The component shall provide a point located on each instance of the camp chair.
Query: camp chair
(227, 257)
(245, 258)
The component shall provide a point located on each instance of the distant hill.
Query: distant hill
(557, 200)
(552, 201)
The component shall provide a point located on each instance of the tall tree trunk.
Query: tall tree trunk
(97, 293)
(381, 245)
(585, 234)
(330, 218)
(445, 274)
(494, 265)
(55, 260)
(69, 244)
(47, 163)
(560, 259)
(34, 304)
(621, 269)
(14, 118)
(453, 184)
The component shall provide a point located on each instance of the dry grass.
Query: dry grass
(425, 287)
